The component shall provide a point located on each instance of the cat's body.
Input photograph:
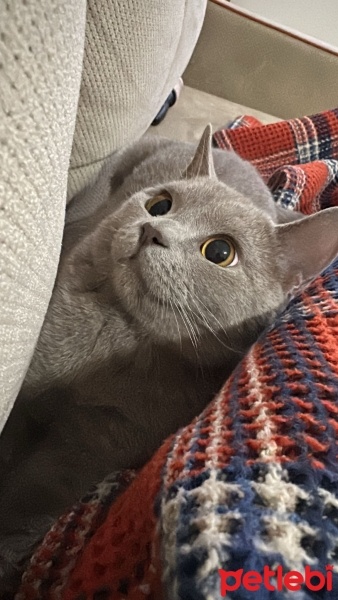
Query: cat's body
(144, 325)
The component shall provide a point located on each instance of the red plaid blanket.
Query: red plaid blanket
(209, 499)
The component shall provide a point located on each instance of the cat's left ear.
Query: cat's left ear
(202, 165)
(307, 247)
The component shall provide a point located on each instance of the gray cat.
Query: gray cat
(180, 261)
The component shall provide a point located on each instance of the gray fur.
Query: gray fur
(142, 330)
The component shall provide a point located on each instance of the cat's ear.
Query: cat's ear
(307, 247)
(202, 165)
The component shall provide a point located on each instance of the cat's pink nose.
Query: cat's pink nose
(151, 234)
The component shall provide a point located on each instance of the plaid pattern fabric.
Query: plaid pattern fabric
(296, 158)
(253, 481)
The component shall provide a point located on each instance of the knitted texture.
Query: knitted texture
(253, 480)
(64, 542)
(135, 52)
(41, 46)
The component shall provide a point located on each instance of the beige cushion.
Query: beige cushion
(41, 46)
(134, 52)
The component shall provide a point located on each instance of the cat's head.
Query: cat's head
(194, 262)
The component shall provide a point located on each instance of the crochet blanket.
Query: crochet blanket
(252, 484)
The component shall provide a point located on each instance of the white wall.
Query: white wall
(317, 18)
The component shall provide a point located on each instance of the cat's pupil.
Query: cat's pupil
(218, 251)
(160, 208)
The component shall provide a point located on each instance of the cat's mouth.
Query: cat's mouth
(146, 259)
(151, 289)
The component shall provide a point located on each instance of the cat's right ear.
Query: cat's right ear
(202, 164)
(307, 247)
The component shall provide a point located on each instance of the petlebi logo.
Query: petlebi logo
(275, 580)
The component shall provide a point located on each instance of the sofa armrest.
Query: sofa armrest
(246, 59)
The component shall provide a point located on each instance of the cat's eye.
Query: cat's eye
(220, 251)
(159, 205)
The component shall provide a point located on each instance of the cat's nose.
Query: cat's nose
(151, 234)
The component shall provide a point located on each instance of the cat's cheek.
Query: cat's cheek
(125, 286)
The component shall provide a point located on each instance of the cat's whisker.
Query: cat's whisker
(190, 315)
(216, 336)
(191, 293)
(187, 324)
(196, 337)
(195, 332)
(178, 327)
(202, 317)
(158, 308)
